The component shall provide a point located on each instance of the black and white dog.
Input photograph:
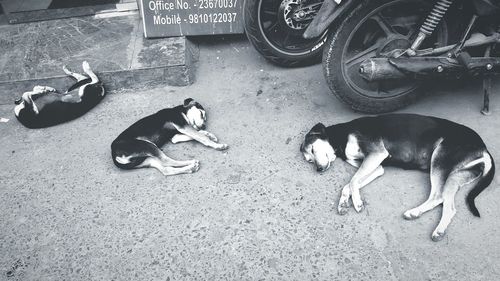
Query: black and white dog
(139, 146)
(454, 154)
(44, 106)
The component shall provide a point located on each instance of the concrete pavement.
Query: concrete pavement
(255, 212)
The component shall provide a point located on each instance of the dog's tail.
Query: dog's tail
(484, 181)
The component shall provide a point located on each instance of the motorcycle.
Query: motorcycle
(379, 53)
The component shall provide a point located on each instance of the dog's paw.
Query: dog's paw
(222, 146)
(85, 65)
(357, 202)
(359, 206)
(438, 235)
(411, 214)
(343, 207)
(195, 166)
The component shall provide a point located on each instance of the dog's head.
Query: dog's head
(195, 114)
(317, 149)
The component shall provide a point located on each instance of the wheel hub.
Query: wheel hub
(294, 16)
(394, 46)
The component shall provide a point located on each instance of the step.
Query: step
(40, 10)
(115, 47)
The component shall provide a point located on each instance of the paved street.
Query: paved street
(255, 212)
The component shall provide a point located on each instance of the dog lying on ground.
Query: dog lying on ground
(44, 106)
(454, 154)
(139, 145)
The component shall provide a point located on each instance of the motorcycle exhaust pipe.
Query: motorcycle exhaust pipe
(379, 69)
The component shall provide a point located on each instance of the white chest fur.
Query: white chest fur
(352, 149)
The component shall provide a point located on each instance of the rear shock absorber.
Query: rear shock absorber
(430, 24)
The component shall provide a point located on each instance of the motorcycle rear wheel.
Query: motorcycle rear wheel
(274, 39)
(374, 29)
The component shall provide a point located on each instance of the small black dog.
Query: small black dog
(139, 145)
(44, 106)
(454, 154)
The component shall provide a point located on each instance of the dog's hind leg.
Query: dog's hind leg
(159, 164)
(440, 160)
(438, 178)
(43, 89)
(77, 76)
(131, 154)
(89, 72)
(456, 180)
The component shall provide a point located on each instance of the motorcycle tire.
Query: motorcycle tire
(308, 54)
(333, 64)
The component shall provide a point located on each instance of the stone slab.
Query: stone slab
(34, 53)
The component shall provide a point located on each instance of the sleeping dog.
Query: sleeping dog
(139, 145)
(44, 106)
(454, 154)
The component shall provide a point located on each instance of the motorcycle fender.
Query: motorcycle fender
(330, 10)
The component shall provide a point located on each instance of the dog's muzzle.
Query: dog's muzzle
(18, 101)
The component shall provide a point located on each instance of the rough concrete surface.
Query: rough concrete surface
(255, 212)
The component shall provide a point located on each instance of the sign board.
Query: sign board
(165, 18)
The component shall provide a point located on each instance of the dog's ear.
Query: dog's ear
(188, 102)
(318, 129)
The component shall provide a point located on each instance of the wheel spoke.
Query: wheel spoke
(285, 41)
(270, 13)
(361, 56)
(271, 27)
(384, 25)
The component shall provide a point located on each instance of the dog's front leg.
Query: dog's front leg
(28, 101)
(369, 165)
(346, 191)
(209, 135)
(180, 138)
(200, 137)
